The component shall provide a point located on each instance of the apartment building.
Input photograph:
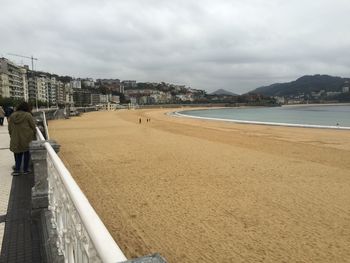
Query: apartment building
(42, 88)
(81, 97)
(12, 79)
(52, 90)
(60, 93)
(95, 99)
(32, 91)
(68, 93)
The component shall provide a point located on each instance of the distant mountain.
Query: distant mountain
(305, 84)
(223, 92)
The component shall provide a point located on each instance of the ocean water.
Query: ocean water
(326, 116)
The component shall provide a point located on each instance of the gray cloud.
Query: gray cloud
(231, 44)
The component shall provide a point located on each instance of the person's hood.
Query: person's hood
(18, 117)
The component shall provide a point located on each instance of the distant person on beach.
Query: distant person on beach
(22, 131)
(140, 120)
(2, 116)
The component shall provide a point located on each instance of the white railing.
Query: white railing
(82, 237)
(45, 126)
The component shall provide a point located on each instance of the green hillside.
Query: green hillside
(304, 85)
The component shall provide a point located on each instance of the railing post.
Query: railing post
(39, 158)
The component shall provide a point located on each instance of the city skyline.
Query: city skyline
(205, 45)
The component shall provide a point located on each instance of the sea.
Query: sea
(315, 115)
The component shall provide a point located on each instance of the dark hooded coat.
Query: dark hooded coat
(22, 131)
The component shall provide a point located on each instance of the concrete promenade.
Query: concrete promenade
(20, 232)
(6, 162)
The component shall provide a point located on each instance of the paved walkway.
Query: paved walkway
(20, 232)
(6, 162)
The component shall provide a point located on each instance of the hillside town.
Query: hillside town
(320, 96)
(44, 89)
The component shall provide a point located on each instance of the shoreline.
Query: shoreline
(318, 104)
(177, 113)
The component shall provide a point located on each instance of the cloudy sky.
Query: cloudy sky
(232, 44)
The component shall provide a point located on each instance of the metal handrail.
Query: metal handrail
(106, 247)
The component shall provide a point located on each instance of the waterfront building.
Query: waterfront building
(81, 97)
(41, 88)
(32, 87)
(68, 93)
(52, 90)
(11, 80)
(103, 98)
(60, 93)
(95, 99)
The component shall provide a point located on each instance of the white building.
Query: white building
(52, 90)
(76, 83)
(12, 80)
(68, 92)
(42, 88)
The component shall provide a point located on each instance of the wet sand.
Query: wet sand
(206, 191)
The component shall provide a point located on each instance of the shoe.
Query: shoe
(27, 172)
(15, 173)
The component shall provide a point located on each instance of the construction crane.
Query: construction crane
(31, 58)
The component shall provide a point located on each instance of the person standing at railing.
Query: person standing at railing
(22, 131)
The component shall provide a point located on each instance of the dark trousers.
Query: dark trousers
(18, 159)
(1, 121)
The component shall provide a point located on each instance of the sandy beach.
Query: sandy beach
(207, 191)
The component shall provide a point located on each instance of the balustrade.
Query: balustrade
(80, 234)
(75, 231)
